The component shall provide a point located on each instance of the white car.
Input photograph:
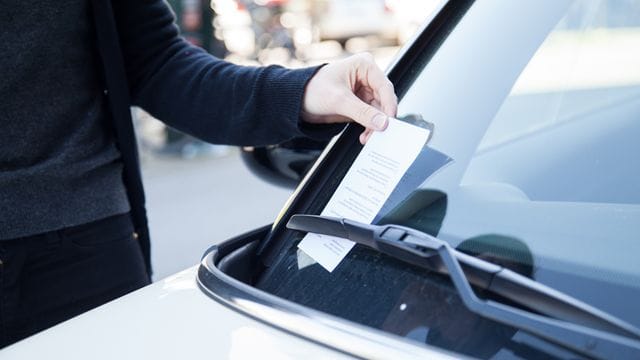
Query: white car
(510, 232)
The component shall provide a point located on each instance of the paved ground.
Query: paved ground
(195, 203)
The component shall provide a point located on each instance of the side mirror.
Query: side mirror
(284, 164)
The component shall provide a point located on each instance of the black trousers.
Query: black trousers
(48, 278)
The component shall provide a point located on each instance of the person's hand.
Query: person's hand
(350, 89)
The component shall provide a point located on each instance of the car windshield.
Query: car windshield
(536, 111)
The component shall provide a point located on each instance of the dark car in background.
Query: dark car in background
(514, 234)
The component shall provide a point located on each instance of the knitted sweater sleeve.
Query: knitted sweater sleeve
(206, 97)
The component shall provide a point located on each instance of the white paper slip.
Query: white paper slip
(366, 186)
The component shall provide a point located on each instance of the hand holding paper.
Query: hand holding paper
(366, 186)
(355, 89)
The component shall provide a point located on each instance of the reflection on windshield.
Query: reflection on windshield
(433, 314)
(423, 210)
(557, 167)
(546, 179)
(428, 162)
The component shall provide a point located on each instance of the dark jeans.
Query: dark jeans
(48, 278)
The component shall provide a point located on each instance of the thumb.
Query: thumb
(363, 113)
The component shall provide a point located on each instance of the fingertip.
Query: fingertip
(385, 125)
(363, 138)
(367, 136)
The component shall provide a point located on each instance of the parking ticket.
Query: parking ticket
(367, 185)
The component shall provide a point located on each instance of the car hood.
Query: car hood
(170, 319)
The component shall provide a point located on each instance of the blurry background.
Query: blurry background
(199, 194)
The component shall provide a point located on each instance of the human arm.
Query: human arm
(222, 102)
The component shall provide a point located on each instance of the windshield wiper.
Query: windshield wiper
(569, 322)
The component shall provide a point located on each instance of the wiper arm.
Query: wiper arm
(569, 323)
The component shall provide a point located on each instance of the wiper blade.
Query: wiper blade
(569, 322)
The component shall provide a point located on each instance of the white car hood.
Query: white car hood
(170, 319)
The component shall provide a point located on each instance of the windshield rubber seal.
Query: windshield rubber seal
(332, 332)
